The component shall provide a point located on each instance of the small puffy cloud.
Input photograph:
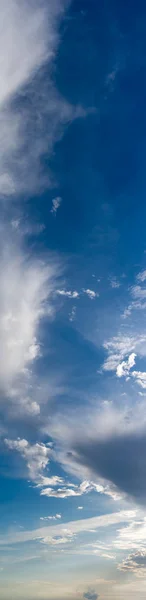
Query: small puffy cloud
(56, 202)
(66, 537)
(90, 595)
(91, 294)
(80, 507)
(37, 456)
(64, 492)
(68, 293)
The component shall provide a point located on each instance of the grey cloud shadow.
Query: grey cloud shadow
(120, 460)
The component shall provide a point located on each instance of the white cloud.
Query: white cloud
(141, 276)
(140, 378)
(136, 305)
(29, 38)
(118, 348)
(80, 507)
(72, 315)
(29, 130)
(138, 292)
(124, 367)
(37, 456)
(74, 294)
(132, 537)
(70, 490)
(64, 492)
(24, 37)
(51, 518)
(121, 347)
(91, 294)
(26, 288)
(56, 202)
(68, 293)
(54, 481)
(66, 538)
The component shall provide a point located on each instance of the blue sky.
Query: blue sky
(72, 300)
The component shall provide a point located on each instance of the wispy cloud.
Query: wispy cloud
(32, 113)
(24, 37)
(132, 536)
(51, 518)
(114, 283)
(141, 276)
(138, 294)
(75, 527)
(26, 286)
(85, 487)
(56, 202)
(36, 456)
(72, 314)
(140, 377)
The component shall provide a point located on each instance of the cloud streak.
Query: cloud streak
(75, 527)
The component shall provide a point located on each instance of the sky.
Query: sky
(72, 300)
